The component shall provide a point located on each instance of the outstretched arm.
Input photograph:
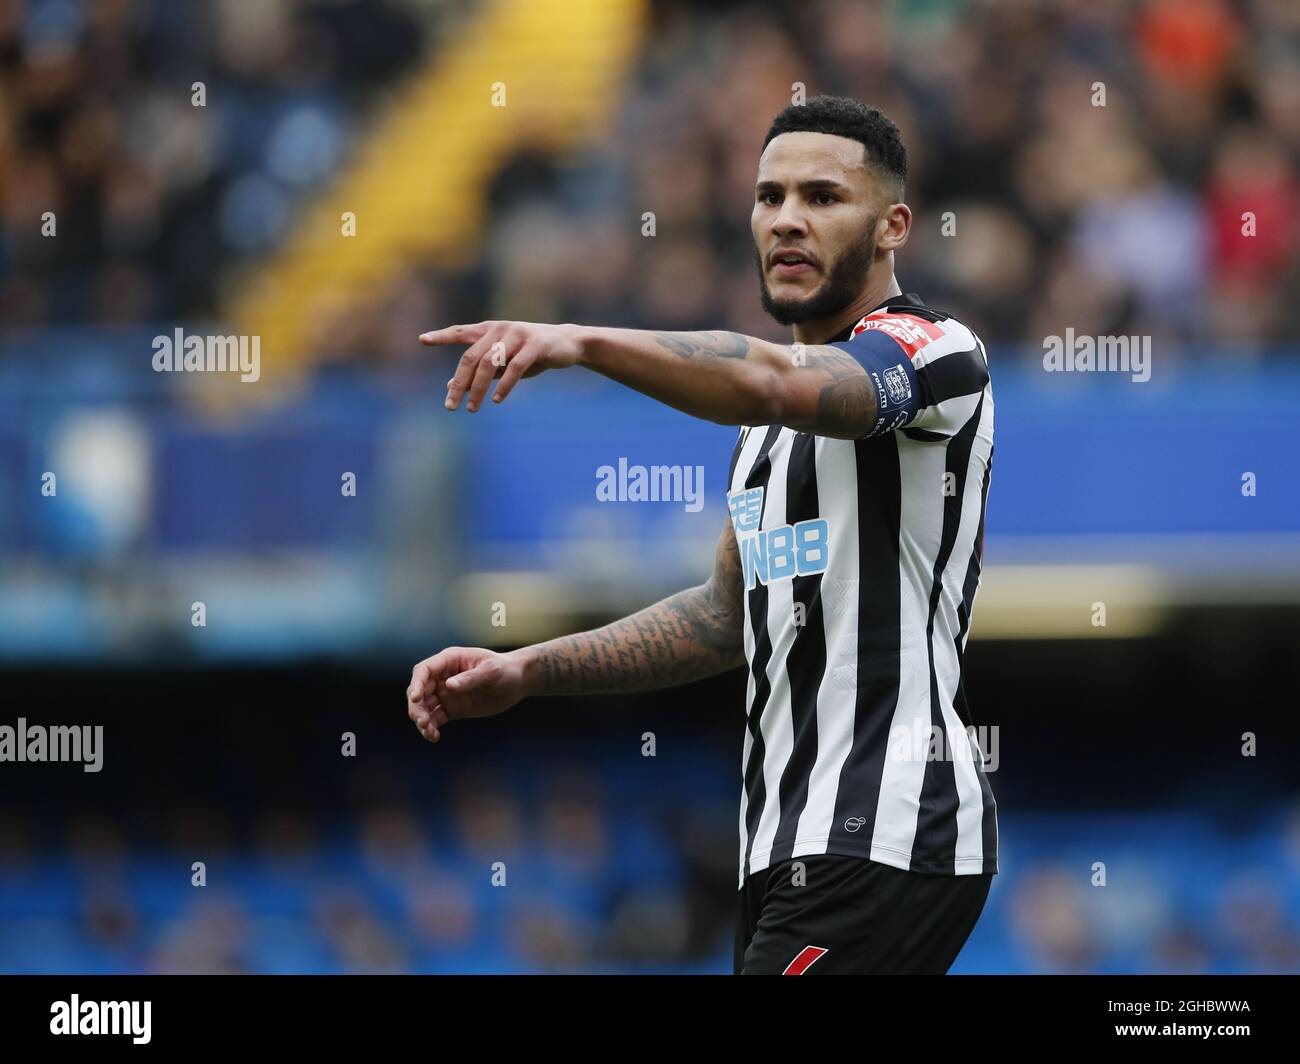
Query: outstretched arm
(688, 636)
(739, 380)
(719, 376)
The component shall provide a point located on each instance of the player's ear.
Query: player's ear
(893, 227)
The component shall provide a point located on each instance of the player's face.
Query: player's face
(814, 225)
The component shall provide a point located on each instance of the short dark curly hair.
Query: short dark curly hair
(845, 117)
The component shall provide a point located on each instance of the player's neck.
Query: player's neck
(821, 330)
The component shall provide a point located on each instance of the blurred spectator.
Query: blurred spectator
(1049, 921)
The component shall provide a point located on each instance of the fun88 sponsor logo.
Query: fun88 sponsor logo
(779, 553)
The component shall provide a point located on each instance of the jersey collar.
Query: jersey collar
(910, 299)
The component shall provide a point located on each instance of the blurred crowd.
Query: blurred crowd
(572, 882)
(1117, 219)
(1115, 166)
(501, 878)
(173, 142)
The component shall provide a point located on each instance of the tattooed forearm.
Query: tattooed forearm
(704, 345)
(688, 636)
(670, 643)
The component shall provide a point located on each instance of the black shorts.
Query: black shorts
(850, 915)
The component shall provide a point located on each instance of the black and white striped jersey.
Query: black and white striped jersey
(861, 560)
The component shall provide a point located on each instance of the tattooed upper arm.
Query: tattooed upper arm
(818, 388)
(830, 394)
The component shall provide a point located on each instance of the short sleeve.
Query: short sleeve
(927, 375)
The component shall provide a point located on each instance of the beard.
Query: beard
(847, 279)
